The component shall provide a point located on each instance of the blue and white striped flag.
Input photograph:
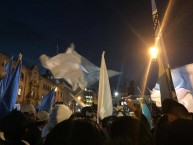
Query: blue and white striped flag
(183, 83)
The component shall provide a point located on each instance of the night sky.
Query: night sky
(122, 28)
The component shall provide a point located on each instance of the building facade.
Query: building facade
(33, 86)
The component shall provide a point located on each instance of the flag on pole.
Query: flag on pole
(73, 68)
(105, 105)
(183, 83)
(47, 101)
(164, 74)
(9, 96)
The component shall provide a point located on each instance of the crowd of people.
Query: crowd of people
(62, 127)
(171, 125)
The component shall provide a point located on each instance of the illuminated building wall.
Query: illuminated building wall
(33, 86)
(90, 97)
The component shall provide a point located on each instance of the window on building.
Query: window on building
(19, 91)
(22, 77)
(32, 93)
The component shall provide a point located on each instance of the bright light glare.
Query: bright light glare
(153, 52)
(79, 98)
(116, 93)
(56, 89)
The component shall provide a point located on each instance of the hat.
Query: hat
(42, 116)
(28, 108)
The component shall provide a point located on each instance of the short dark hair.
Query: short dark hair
(13, 125)
(173, 107)
(75, 132)
(130, 131)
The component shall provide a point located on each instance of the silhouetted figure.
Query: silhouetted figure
(130, 131)
(175, 110)
(77, 132)
(172, 121)
(180, 132)
(14, 127)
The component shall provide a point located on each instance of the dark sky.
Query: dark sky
(122, 28)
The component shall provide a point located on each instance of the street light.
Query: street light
(116, 93)
(79, 98)
(153, 52)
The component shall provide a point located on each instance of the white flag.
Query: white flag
(73, 68)
(105, 106)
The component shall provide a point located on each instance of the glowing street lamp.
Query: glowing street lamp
(116, 93)
(153, 52)
(79, 98)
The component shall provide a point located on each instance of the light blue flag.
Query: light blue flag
(47, 101)
(146, 112)
(8, 99)
(183, 83)
(182, 78)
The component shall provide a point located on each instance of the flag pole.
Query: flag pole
(164, 74)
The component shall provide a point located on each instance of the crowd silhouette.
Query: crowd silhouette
(60, 126)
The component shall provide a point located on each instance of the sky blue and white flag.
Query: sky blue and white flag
(183, 83)
(74, 68)
(47, 101)
(105, 105)
(146, 112)
(9, 96)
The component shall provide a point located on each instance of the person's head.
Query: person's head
(76, 132)
(42, 118)
(29, 111)
(179, 132)
(89, 112)
(107, 121)
(127, 130)
(14, 125)
(77, 115)
(174, 110)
